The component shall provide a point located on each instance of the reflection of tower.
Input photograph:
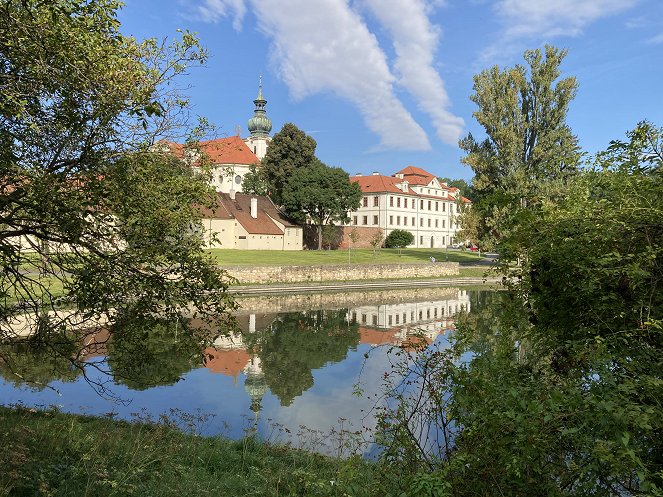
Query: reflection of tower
(259, 125)
(255, 384)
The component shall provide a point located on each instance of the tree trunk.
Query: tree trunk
(319, 236)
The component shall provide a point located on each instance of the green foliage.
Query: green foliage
(554, 388)
(321, 194)
(87, 204)
(255, 182)
(466, 189)
(398, 239)
(289, 150)
(529, 151)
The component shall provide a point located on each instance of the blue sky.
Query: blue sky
(382, 84)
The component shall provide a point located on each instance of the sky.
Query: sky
(384, 84)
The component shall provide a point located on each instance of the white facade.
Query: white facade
(425, 207)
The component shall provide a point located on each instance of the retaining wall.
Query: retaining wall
(340, 272)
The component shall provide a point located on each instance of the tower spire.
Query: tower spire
(260, 124)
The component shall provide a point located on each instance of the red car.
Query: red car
(473, 249)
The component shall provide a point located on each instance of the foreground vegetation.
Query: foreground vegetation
(50, 453)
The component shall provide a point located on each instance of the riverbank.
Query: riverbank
(51, 453)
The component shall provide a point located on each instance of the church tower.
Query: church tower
(259, 126)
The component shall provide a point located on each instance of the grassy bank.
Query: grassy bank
(50, 453)
(229, 257)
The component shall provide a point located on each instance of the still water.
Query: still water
(291, 373)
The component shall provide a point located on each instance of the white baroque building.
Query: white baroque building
(413, 200)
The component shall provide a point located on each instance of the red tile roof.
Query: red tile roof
(377, 183)
(416, 175)
(230, 150)
(240, 209)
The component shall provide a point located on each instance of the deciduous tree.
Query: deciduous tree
(92, 216)
(529, 149)
(321, 195)
(289, 150)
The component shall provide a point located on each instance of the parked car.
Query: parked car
(453, 246)
(473, 248)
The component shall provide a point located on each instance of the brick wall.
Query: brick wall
(340, 272)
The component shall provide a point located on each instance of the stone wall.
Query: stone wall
(338, 300)
(339, 272)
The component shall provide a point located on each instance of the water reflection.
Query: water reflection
(282, 366)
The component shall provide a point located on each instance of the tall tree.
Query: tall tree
(91, 215)
(320, 194)
(529, 147)
(289, 150)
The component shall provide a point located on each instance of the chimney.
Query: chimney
(375, 173)
(232, 194)
(358, 174)
(254, 207)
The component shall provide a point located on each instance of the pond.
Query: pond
(291, 373)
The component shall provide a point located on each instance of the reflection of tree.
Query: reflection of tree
(36, 363)
(149, 352)
(297, 343)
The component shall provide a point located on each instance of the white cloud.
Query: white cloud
(656, 40)
(326, 46)
(415, 42)
(215, 10)
(524, 20)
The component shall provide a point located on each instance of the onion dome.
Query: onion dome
(260, 124)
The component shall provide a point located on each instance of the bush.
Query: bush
(399, 239)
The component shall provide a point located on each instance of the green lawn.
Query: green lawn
(230, 257)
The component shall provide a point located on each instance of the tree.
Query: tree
(376, 241)
(320, 194)
(399, 239)
(529, 151)
(255, 182)
(354, 238)
(289, 150)
(466, 189)
(92, 216)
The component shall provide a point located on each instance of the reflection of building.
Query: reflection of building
(401, 319)
(413, 200)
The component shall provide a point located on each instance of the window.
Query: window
(405, 203)
(421, 205)
(436, 223)
(404, 220)
(391, 201)
(451, 208)
(429, 222)
(444, 207)
(437, 206)
(443, 223)
(365, 201)
(238, 179)
(375, 220)
(391, 219)
(376, 201)
(398, 220)
(421, 221)
(365, 220)
(241, 237)
(398, 202)
(220, 178)
(354, 220)
(389, 317)
(413, 223)
(374, 319)
(421, 241)
(398, 319)
(429, 203)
